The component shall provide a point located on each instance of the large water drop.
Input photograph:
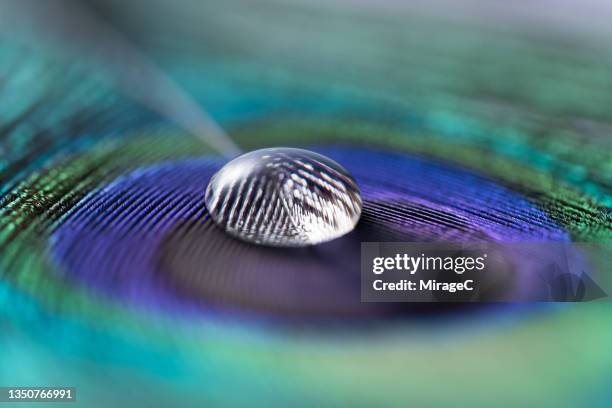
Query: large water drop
(284, 197)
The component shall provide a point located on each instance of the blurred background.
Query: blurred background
(461, 121)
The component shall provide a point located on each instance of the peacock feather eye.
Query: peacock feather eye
(143, 267)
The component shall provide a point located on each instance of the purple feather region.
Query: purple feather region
(146, 239)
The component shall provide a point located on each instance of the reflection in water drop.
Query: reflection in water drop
(284, 197)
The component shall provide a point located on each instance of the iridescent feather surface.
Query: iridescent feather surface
(113, 275)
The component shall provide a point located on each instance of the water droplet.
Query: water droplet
(284, 197)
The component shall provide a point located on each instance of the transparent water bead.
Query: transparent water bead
(284, 197)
